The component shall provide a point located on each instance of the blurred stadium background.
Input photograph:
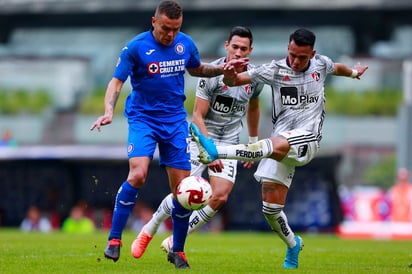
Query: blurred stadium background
(64, 51)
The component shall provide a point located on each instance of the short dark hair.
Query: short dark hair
(303, 37)
(170, 8)
(242, 32)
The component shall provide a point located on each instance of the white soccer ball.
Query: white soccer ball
(194, 192)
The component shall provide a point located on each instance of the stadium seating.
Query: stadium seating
(399, 46)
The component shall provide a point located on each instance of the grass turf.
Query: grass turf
(228, 252)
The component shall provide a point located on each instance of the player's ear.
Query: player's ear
(226, 45)
(313, 54)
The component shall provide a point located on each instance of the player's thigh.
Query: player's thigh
(141, 140)
(174, 147)
(303, 147)
(273, 171)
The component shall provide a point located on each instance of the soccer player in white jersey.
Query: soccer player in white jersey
(297, 83)
(218, 111)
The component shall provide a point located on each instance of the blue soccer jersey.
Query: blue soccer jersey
(156, 74)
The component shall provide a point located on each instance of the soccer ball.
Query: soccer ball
(194, 192)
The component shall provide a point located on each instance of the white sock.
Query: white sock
(250, 152)
(162, 213)
(200, 217)
(278, 221)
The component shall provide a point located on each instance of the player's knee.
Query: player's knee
(281, 148)
(137, 177)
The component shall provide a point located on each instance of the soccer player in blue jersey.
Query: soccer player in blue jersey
(155, 61)
(219, 111)
(297, 83)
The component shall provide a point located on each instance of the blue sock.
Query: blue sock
(180, 218)
(125, 201)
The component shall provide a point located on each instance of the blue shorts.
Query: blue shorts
(172, 140)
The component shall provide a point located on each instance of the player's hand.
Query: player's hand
(247, 165)
(361, 69)
(236, 64)
(216, 166)
(101, 121)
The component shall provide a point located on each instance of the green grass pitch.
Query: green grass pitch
(227, 252)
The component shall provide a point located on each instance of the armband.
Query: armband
(253, 139)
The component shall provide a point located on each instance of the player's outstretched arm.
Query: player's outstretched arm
(112, 95)
(356, 72)
(206, 70)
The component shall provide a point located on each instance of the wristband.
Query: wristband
(253, 139)
(354, 73)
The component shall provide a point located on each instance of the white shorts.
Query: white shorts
(228, 173)
(303, 148)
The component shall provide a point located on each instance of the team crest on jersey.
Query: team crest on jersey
(316, 76)
(180, 48)
(248, 89)
(202, 83)
(153, 68)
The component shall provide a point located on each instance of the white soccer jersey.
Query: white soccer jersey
(227, 106)
(298, 97)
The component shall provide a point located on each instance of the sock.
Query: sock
(180, 219)
(250, 152)
(277, 220)
(200, 217)
(161, 214)
(125, 201)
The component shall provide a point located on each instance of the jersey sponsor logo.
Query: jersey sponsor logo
(226, 105)
(166, 67)
(179, 48)
(290, 97)
(249, 154)
(194, 162)
(283, 226)
(285, 71)
(153, 68)
(150, 51)
(194, 222)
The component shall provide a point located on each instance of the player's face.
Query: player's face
(238, 47)
(165, 29)
(299, 56)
